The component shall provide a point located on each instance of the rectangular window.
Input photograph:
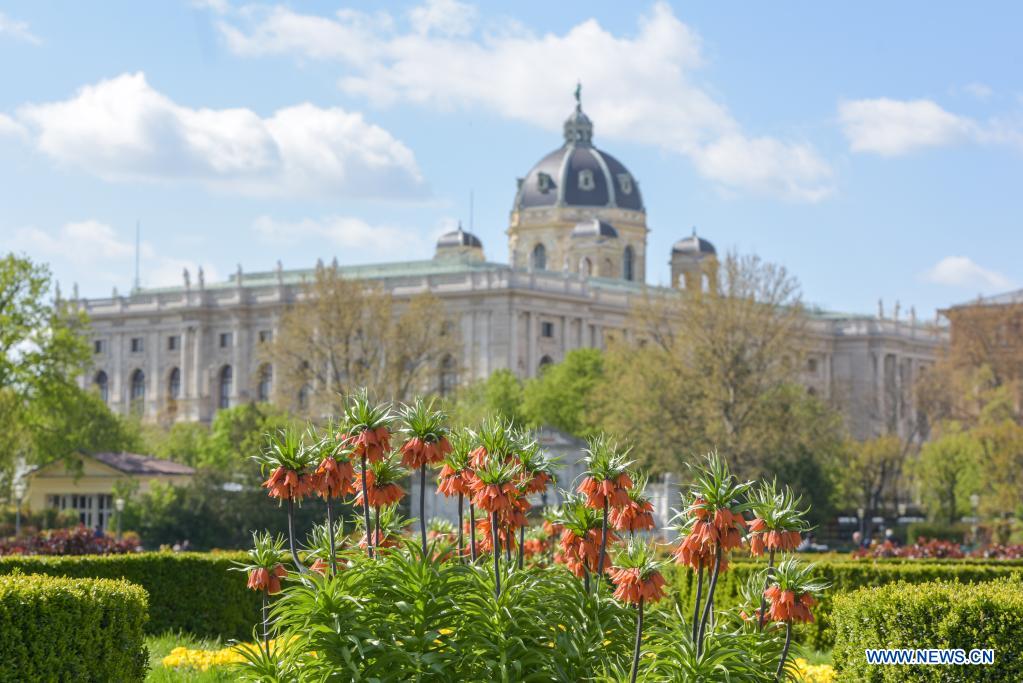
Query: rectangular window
(98, 346)
(811, 365)
(173, 342)
(226, 340)
(547, 330)
(137, 345)
(266, 336)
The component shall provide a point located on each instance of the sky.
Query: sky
(873, 149)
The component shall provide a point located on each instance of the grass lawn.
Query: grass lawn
(160, 647)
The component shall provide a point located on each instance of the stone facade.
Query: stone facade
(577, 254)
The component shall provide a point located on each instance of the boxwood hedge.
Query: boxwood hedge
(59, 629)
(941, 614)
(192, 592)
(844, 577)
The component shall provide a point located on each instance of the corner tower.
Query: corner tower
(579, 210)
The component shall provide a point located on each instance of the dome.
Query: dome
(594, 228)
(693, 245)
(579, 174)
(458, 238)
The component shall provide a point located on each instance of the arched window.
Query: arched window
(266, 376)
(225, 387)
(102, 385)
(448, 375)
(585, 267)
(303, 397)
(628, 264)
(174, 384)
(539, 258)
(137, 397)
(544, 362)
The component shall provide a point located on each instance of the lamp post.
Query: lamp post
(859, 513)
(119, 506)
(19, 496)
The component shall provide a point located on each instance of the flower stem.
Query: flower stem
(639, 640)
(461, 501)
(709, 605)
(266, 623)
(785, 650)
(472, 531)
(696, 606)
(376, 528)
(603, 545)
(767, 583)
(291, 537)
(422, 505)
(365, 510)
(497, 555)
(330, 534)
(522, 545)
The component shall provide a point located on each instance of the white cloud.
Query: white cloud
(9, 126)
(19, 30)
(92, 251)
(639, 88)
(893, 127)
(767, 166)
(979, 90)
(215, 6)
(351, 234)
(961, 271)
(123, 129)
(445, 17)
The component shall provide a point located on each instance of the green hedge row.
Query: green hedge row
(192, 592)
(57, 629)
(844, 577)
(941, 614)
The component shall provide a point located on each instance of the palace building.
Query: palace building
(577, 254)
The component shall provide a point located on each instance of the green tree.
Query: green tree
(42, 352)
(236, 434)
(948, 471)
(184, 442)
(562, 396)
(500, 394)
(67, 420)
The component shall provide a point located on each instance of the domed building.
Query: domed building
(460, 245)
(694, 264)
(570, 188)
(577, 251)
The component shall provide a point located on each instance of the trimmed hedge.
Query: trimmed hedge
(941, 614)
(192, 592)
(58, 629)
(844, 577)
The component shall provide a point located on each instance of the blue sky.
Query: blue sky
(873, 149)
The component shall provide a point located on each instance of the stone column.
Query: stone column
(531, 341)
(513, 340)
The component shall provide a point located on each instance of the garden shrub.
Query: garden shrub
(843, 577)
(940, 614)
(58, 629)
(941, 531)
(192, 592)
